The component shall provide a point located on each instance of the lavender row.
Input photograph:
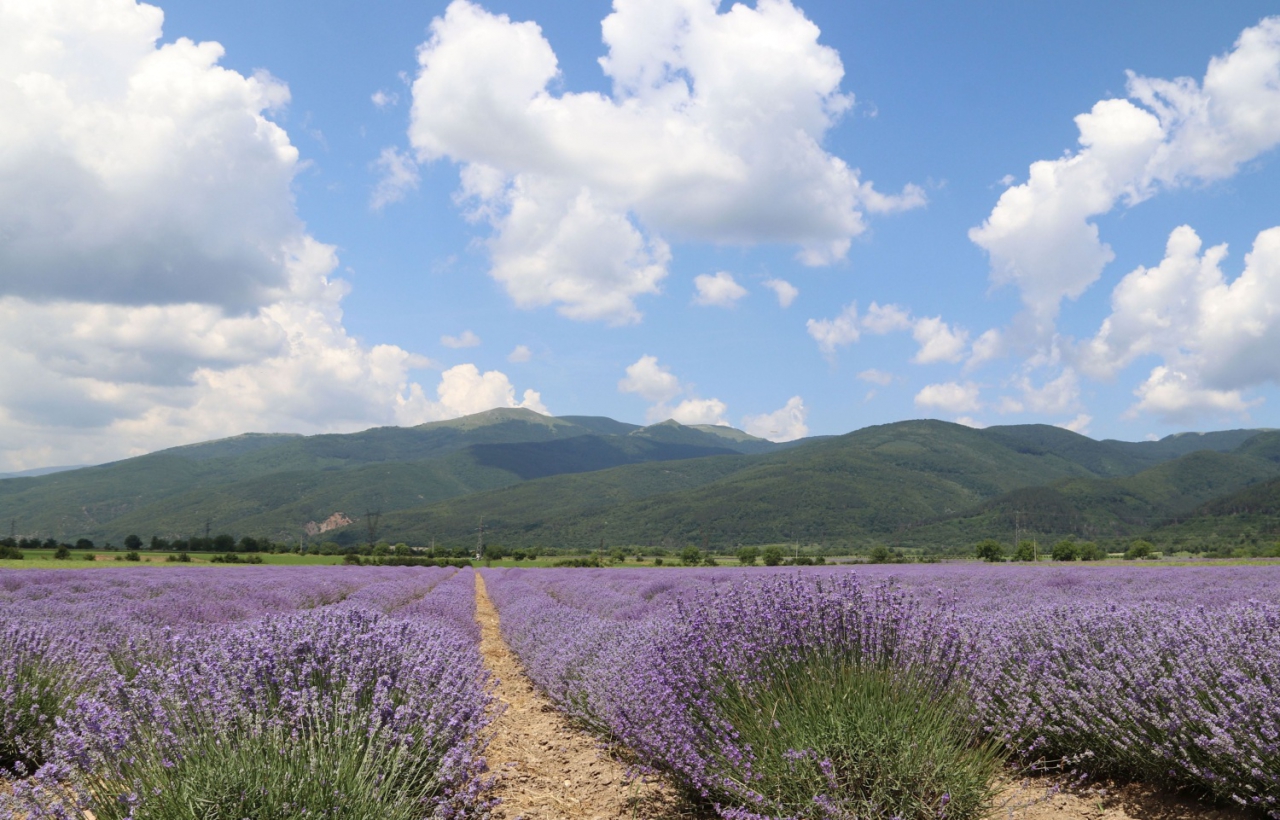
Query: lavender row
(1168, 675)
(334, 691)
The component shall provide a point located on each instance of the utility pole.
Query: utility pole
(207, 524)
(372, 517)
(480, 540)
(1017, 531)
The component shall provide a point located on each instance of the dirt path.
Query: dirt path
(1035, 799)
(547, 768)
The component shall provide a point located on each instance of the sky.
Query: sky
(795, 219)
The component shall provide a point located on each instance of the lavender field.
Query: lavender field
(1171, 676)
(821, 693)
(280, 692)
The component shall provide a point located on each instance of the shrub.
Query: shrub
(1026, 551)
(132, 555)
(10, 553)
(772, 556)
(690, 556)
(991, 550)
(350, 558)
(709, 560)
(232, 558)
(838, 739)
(747, 556)
(657, 562)
(62, 553)
(336, 714)
(1066, 550)
(181, 557)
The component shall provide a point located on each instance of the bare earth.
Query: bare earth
(549, 769)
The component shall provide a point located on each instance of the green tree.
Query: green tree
(1090, 551)
(690, 556)
(1026, 551)
(84, 544)
(224, 542)
(747, 556)
(991, 550)
(1066, 550)
(772, 556)
(1139, 549)
(62, 553)
(880, 555)
(132, 543)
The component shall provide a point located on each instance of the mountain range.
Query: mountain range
(579, 481)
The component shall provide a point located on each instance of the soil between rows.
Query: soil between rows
(547, 768)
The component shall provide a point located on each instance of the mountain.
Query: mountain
(890, 482)
(574, 480)
(274, 485)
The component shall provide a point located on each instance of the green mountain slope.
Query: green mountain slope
(276, 485)
(868, 484)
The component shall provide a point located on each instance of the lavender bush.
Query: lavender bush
(334, 692)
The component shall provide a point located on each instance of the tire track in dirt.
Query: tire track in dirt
(547, 768)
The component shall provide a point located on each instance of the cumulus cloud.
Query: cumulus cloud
(700, 411)
(658, 385)
(1215, 338)
(146, 214)
(1054, 397)
(787, 423)
(520, 353)
(876, 377)
(650, 380)
(464, 339)
(384, 99)
(951, 397)
(784, 290)
(939, 341)
(712, 131)
(1079, 424)
(1040, 236)
(838, 332)
(464, 390)
(718, 290)
(398, 176)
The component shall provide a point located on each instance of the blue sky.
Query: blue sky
(512, 231)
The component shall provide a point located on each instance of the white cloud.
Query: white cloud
(1059, 395)
(970, 421)
(1039, 235)
(837, 332)
(990, 345)
(938, 341)
(1215, 338)
(785, 291)
(784, 424)
(158, 287)
(464, 390)
(882, 319)
(650, 380)
(399, 176)
(719, 290)
(520, 353)
(700, 411)
(659, 386)
(876, 377)
(1079, 424)
(464, 339)
(384, 99)
(712, 131)
(951, 397)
